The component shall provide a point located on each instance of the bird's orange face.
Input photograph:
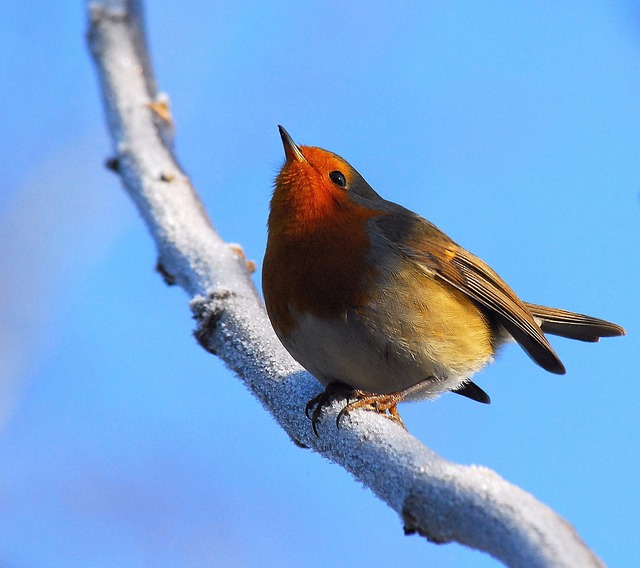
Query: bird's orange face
(314, 187)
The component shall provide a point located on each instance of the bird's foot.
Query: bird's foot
(385, 404)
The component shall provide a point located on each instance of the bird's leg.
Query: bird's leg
(385, 404)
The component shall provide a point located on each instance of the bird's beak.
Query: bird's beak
(291, 149)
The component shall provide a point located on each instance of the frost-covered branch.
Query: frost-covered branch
(436, 498)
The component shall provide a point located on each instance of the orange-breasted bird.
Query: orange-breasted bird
(365, 293)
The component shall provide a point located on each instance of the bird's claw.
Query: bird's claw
(385, 404)
(332, 391)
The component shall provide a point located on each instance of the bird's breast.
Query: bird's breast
(320, 267)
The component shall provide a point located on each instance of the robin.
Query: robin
(378, 303)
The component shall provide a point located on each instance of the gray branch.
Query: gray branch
(438, 499)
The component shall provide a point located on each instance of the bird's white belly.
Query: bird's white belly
(349, 351)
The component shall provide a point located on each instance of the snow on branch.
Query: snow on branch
(438, 499)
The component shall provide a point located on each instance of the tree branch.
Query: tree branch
(436, 498)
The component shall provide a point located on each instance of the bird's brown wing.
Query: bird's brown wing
(434, 251)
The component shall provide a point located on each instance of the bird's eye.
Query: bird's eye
(338, 178)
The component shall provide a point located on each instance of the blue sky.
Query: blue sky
(516, 129)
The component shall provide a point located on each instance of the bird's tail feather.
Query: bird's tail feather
(573, 325)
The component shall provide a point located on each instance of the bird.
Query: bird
(379, 304)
